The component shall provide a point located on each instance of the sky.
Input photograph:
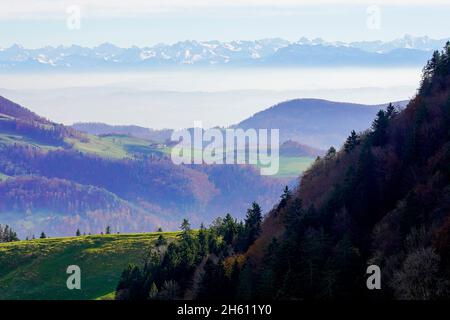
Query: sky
(37, 23)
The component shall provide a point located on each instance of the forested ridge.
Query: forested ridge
(383, 199)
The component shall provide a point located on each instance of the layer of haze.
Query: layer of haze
(178, 98)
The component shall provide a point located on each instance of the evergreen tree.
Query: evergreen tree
(285, 197)
(43, 236)
(7, 234)
(351, 142)
(161, 241)
(379, 128)
(330, 153)
(203, 241)
(229, 229)
(391, 111)
(185, 226)
(153, 294)
(78, 233)
(108, 230)
(253, 224)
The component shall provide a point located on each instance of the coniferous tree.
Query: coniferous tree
(153, 294)
(161, 241)
(285, 197)
(252, 224)
(7, 234)
(379, 128)
(203, 241)
(330, 153)
(351, 142)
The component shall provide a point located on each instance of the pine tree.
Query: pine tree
(185, 226)
(153, 294)
(203, 241)
(43, 236)
(379, 128)
(330, 153)
(285, 197)
(108, 230)
(351, 142)
(161, 241)
(7, 234)
(78, 233)
(253, 224)
(185, 230)
(229, 229)
(391, 111)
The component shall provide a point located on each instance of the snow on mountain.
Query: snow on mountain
(191, 52)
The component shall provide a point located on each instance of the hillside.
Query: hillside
(315, 122)
(382, 199)
(56, 179)
(36, 269)
(292, 148)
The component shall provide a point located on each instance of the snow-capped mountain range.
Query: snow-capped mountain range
(408, 50)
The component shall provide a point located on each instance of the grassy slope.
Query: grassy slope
(115, 146)
(291, 167)
(3, 176)
(36, 269)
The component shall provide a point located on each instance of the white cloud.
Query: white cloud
(56, 9)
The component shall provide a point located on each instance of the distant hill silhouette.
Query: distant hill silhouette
(315, 122)
(136, 131)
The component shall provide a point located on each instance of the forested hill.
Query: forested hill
(56, 179)
(315, 122)
(383, 199)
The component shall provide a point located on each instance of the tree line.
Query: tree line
(7, 234)
(169, 271)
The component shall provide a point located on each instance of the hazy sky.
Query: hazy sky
(36, 23)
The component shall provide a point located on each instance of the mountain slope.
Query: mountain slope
(384, 199)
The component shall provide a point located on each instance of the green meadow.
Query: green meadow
(116, 146)
(36, 269)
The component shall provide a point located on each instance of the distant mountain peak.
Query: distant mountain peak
(261, 52)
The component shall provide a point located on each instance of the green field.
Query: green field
(36, 269)
(108, 146)
(11, 138)
(291, 167)
(116, 146)
(3, 176)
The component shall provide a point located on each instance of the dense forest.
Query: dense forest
(383, 199)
